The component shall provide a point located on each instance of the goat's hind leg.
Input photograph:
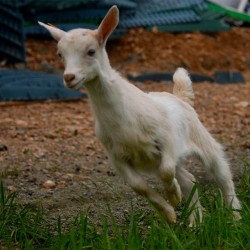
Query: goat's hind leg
(140, 186)
(214, 159)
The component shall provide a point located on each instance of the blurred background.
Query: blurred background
(19, 18)
(206, 37)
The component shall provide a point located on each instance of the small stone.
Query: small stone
(50, 135)
(45, 171)
(68, 177)
(154, 30)
(49, 184)
(242, 104)
(80, 177)
(62, 184)
(22, 123)
(26, 150)
(11, 189)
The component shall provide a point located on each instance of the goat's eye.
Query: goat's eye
(60, 55)
(91, 52)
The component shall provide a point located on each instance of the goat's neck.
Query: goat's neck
(105, 91)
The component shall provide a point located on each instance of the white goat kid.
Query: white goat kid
(140, 131)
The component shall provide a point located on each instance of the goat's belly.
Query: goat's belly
(146, 161)
(141, 154)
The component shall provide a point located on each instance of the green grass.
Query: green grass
(23, 227)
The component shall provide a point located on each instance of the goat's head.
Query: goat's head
(83, 51)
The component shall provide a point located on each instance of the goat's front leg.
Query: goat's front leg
(187, 182)
(140, 186)
(166, 173)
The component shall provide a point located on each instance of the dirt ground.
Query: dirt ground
(48, 150)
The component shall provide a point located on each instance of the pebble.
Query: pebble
(62, 184)
(11, 188)
(49, 184)
(242, 104)
(74, 177)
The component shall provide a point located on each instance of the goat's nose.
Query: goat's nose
(69, 77)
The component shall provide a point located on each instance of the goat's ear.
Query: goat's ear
(108, 24)
(56, 33)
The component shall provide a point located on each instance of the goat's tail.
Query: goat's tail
(183, 86)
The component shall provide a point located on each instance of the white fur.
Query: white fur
(143, 132)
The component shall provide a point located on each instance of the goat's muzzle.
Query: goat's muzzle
(69, 78)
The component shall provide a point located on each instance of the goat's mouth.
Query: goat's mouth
(76, 85)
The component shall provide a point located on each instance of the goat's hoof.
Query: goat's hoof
(174, 194)
(174, 198)
(236, 215)
(172, 219)
(193, 223)
(195, 218)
